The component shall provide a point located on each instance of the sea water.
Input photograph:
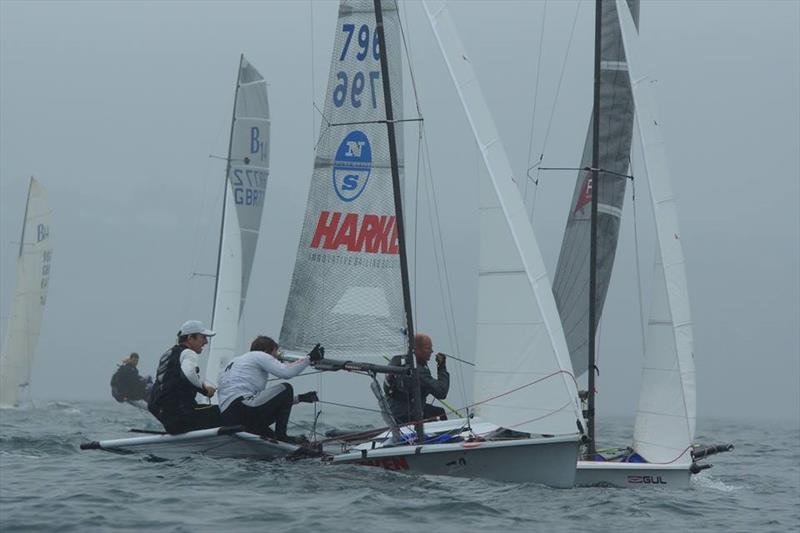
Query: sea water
(47, 483)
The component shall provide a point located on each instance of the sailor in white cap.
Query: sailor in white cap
(172, 398)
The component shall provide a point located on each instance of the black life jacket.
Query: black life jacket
(172, 390)
(396, 387)
(125, 383)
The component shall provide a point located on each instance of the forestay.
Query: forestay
(571, 281)
(33, 275)
(665, 417)
(346, 289)
(247, 174)
(522, 376)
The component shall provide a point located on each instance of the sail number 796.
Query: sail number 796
(352, 89)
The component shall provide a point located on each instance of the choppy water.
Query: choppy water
(47, 483)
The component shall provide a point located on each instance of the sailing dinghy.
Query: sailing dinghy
(350, 288)
(662, 452)
(33, 275)
(243, 202)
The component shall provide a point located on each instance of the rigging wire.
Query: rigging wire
(535, 96)
(555, 105)
(638, 260)
(441, 265)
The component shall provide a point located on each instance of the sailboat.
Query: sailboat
(662, 452)
(246, 174)
(350, 289)
(243, 203)
(33, 275)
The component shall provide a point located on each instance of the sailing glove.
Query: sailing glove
(317, 354)
(308, 397)
(441, 360)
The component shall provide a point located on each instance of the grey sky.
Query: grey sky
(115, 107)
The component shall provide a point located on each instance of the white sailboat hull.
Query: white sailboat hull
(546, 460)
(215, 442)
(631, 475)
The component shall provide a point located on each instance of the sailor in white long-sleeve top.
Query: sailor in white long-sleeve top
(245, 399)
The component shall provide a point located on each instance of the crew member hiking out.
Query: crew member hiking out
(172, 398)
(245, 397)
(126, 383)
(398, 389)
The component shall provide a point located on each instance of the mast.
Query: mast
(25, 218)
(398, 208)
(225, 192)
(591, 448)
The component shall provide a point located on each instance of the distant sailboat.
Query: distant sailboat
(33, 275)
(243, 203)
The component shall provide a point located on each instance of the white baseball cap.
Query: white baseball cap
(192, 327)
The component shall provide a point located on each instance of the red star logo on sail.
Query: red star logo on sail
(585, 195)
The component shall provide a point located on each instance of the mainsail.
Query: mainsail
(665, 416)
(571, 282)
(522, 375)
(33, 274)
(346, 289)
(246, 182)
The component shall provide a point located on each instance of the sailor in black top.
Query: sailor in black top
(398, 389)
(172, 398)
(126, 383)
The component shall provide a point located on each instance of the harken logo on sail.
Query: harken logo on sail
(352, 166)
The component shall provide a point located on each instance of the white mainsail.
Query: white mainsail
(665, 417)
(522, 376)
(246, 182)
(33, 275)
(346, 289)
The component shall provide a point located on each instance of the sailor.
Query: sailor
(126, 383)
(245, 398)
(172, 398)
(399, 389)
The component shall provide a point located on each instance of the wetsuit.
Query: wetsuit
(400, 393)
(127, 385)
(245, 398)
(172, 397)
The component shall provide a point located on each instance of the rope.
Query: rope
(350, 406)
(567, 372)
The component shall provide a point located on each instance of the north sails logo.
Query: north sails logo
(351, 166)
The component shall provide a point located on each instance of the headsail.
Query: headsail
(33, 274)
(665, 417)
(571, 281)
(247, 174)
(346, 289)
(522, 375)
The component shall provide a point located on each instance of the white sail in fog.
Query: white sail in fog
(522, 375)
(33, 275)
(665, 417)
(246, 182)
(346, 290)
